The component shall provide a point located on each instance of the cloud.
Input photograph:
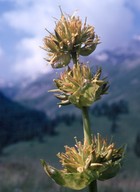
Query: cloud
(31, 19)
(112, 19)
(1, 52)
(135, 4)
(101, 56)
(113, 22)
(29, 61)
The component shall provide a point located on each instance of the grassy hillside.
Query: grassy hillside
(19, 123)
(20, 168)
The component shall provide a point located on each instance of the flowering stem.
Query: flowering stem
(93, 186)
(75, 58)
(86, 126)
(88, 140)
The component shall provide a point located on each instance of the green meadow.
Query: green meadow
(21, 170)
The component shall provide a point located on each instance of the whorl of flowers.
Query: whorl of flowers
(70, 37)
(79, 87)
(87, 162)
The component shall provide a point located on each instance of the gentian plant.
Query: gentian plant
(93, 158)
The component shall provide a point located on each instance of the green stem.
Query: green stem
(93, 186)
(86, 126)
(88, 140)
(75, 58)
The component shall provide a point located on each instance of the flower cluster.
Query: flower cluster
(87, 162)
(79, 87)
(70, 38)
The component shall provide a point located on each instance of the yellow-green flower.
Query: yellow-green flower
(79, 87)
(84, 163)
(70, 37)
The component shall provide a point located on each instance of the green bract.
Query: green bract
(85, 163)
(79, 87)
(75, 181)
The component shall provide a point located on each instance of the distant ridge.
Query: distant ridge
(19, 123)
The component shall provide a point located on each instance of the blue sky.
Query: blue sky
(23, 23)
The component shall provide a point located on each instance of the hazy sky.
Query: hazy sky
(23, 23)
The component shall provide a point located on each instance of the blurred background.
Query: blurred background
(32, 126)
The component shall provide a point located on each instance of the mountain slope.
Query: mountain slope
(19, 123)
